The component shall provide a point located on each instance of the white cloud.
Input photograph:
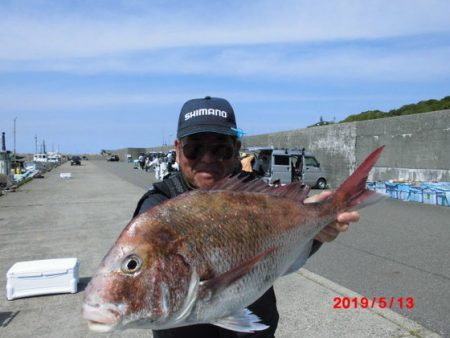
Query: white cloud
(72, 33)
(296, 41)
(53, 100)
(338, 62)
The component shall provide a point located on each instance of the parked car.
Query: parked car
(289, 165)
(113, 158)
(75, 160)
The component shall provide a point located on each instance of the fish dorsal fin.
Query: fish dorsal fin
(295, 191)
(242, 321)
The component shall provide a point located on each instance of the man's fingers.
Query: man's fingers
(318, 198)
(341, 227)
(328, 234)
(348, 217)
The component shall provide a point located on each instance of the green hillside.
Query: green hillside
(415, 108)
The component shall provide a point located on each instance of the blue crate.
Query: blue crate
(403, 191)
(443, 197)
(380, 187)
(370, 185)
(415, 194)
(377, 186)
(429, 196)
(392, 189)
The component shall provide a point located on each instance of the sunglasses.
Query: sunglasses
(194, 151)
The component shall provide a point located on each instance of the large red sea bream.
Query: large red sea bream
(204, 256)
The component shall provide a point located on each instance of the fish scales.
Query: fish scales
(209, 224)
(211, 220)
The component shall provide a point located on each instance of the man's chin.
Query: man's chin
(206, 179)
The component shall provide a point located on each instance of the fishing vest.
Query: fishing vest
(172, 186)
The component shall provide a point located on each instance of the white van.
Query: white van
(285, 165)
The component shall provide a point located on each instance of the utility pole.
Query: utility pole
(15, 135)
(14, 156)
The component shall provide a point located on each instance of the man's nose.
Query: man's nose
(208, 156)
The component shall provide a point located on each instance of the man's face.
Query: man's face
(205, 158)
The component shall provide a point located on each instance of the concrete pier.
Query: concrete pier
(83, 216)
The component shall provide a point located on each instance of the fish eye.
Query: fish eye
(131, 264)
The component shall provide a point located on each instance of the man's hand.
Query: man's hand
(332, 230)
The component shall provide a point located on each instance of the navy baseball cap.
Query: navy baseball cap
(210, 114)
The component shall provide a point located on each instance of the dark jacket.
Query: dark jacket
(265, 307)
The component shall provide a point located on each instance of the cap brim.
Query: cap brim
(205, 129)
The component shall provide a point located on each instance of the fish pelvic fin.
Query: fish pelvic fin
(242, 321)
(353, 191)
(210, 286)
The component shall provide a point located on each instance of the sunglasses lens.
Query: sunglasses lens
(224, 151)
(194, 151)
(191, 151)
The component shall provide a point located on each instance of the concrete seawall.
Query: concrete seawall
(417, 146)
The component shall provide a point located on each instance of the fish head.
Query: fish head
(144, 281)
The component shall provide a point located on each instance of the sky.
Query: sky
(90, 75)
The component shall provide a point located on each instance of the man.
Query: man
(247, 162)
(207, 150)
(141, 159)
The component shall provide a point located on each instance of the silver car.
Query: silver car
(289, 165)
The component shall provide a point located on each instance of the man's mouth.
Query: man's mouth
(209, 175)
(209, 171)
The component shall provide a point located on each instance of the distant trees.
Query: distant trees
(415, 108)
(367, 115)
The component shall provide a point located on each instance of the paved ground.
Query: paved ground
(81, 217)
(398, 249)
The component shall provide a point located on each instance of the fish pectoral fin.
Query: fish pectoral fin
(242, 321)
(190, 298)
(219, 282)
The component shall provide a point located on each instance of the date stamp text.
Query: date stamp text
(373, 302)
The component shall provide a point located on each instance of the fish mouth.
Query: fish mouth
(102, 318)
(99, 327)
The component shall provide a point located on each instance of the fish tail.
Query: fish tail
(353, 191)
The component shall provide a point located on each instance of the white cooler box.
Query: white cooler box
(32, 278)
(65, 175)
